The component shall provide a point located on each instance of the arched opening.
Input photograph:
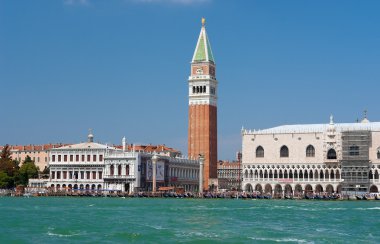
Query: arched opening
(127, 169)
(284, 152)
(246, 174)
(329, 189)
(270, 174)
(119, 170)
(290, 174)
(259, 152)
(318, 189)
(288, 190)
(332, 177)
(280, 175)
(248, 188)
(370, 175)
(339, 189)
(373, 188)
(87, 187)
(337, 174)
(261, 174)
(265, 174)
(300, 175)
(64, 188)
(331, 154)
(378, 153)
(278, 191)
(298, 190)
(321, 176)
(75, 187)
(275, 174)
(310, 151)
(93, 187)
(268, 189)
(256, 174)
(285, 174)
(376, 175)
(316, 174)
(259, 188)
(70, 187)
(308, 190)
(99, 187)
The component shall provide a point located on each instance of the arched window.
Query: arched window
(378, 153)
(193, 89)
(259, 152)
(353, 150)
(284, 152)
(310, 151)
(331, 154)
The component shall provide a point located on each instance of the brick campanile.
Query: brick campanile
(202, 137)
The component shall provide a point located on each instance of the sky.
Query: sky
(121, 67)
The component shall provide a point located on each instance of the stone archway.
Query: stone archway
(298, 190)
(259, 188)
(373, 188)
(248, 188)
(288, 190)
(339, 189)
(318, 189)
(268, 189)
(308, 190)
(329, 189)
(278, 191)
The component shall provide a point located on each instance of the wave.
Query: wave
(281, 240)
(62, 235)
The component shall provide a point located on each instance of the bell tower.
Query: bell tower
(202, 135)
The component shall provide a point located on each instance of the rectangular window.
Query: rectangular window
(88, 158)
(94, 175)
(71, 158)
(100, 175)
(45, 159)
(65, 158)
(52, 158)
(100, 157)
(53, 174)
(94, 158)
(59, 158)
(82, 175)
(70, 175)
(76, 158)
(82, 158)
(64, 174)
(38, 159)
(87, 175)
(58, 174)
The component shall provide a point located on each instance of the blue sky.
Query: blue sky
(121, 67)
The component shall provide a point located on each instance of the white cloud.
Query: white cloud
(76, 2)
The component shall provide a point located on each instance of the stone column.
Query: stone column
(154, 163)
(201, 165)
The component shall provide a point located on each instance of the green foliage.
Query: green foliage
(27, 171)
(5, 154)
(5, 180)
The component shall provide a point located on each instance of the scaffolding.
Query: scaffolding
(355, 161)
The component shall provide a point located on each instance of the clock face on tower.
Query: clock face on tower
(199, 71)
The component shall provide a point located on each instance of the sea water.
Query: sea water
(148, 220)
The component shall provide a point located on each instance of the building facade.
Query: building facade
(93, 167)
(312, 159)
(203, 88)
(230, 174)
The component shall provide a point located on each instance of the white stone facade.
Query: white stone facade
(304, 159)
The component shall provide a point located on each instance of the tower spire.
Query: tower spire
(203, 52)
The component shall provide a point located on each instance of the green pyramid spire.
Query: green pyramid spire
(203, 51)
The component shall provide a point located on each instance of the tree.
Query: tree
(27, 171)
(5, 154)
(5, 180)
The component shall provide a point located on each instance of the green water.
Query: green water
(118, 220)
